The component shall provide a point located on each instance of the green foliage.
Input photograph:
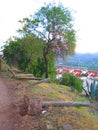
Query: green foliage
(53, 24)
(52, 20)
(85, 75)
(20, 52)
(96, 92)
(43, 35)
(37, 67)
(27, 54)
(12, 51)
(92, 90)
(72, 81)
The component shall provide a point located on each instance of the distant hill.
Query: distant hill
(85, 55)
(88, 60)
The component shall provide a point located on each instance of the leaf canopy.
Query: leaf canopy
(54, 25)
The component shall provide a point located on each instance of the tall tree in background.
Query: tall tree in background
(20, 52)
(54, 25)
(46, 34)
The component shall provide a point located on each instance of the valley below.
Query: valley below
(88, 61)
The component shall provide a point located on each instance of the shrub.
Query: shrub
(72, 81)
(92, 90)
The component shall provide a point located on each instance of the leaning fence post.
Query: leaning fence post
(1, 61)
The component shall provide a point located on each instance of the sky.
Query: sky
(84, 13)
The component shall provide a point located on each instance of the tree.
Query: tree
(20, 52)
(11, 51)
(53, 24)
(26, 54)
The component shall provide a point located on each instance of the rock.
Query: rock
(67, 127)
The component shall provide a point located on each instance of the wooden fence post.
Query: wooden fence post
(1, 61)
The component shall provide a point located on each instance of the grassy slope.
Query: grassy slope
(79, 118)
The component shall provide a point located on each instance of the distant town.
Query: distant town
(77, 71)
(79, 65)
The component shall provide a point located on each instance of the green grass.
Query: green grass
(81, 118)
(78, 117)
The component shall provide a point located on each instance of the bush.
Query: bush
(72, 81)
(85, 75)
(91, 90)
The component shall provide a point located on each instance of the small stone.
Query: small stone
(67, 127)
(49, 127)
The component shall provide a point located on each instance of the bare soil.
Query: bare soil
(9, 118)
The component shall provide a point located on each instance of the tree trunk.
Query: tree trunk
(41, 81)
(35, 106)
(46, 65)
(62, 104)
(46, 69)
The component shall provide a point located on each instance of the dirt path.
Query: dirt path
(8, 115)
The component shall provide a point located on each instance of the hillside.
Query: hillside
(85, 60)
(90, 61)
(54, 118)
(79, 118)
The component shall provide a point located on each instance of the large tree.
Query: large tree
(46, 34)
(54, 25)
